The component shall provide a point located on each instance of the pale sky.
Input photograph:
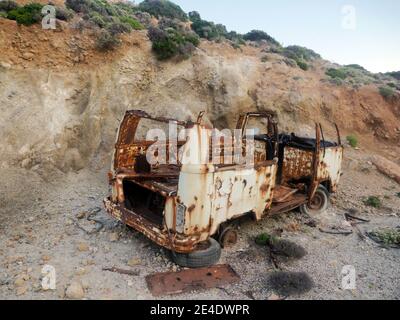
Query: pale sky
(366, 32)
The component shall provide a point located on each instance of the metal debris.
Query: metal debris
(161, 284)
(122, 271)
(336, 230)
(354, 221)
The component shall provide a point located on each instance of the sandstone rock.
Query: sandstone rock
(85, 284)
(134, 262)
(21, 290)
(83, 247)
(5, 65)
(81, 215)
(80, 271)
(75, 291)
(387, 167)
(114, 237)
(45, 258)
(27, 56)
(19, 282)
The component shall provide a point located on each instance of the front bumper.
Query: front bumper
(175, 242)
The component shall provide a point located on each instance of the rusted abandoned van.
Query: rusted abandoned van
(188, 204)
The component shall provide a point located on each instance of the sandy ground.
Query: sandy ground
(39, 226)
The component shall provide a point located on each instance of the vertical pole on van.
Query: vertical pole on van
(316, 156)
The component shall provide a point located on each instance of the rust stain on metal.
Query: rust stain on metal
(191, 208)
(170, 283)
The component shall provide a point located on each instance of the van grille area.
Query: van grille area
(144, 202)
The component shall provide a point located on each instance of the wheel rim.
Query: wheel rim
(229, 238)
(317, 205)
(202, 246)
(317, 202)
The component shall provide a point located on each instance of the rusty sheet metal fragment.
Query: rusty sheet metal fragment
(161, 284)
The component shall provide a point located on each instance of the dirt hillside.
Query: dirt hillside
(61, 100)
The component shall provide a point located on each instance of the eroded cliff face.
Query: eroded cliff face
(60, 106)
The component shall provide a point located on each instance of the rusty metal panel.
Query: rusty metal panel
(178, 243)
(330, 166)
(297, 164)
(169, 283)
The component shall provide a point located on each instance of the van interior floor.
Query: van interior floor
(286, 199)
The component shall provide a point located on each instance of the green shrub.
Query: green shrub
(258, 35)
(336, 81)
(26, 15)
(171, 42)
(373, 201)
(263, 239)
(299, 53)
(236, 45)
(163, 8)
(398, 194)
(97, 19)
(355, 66)
(235, 37)
(395, 74)
(116, 28)
(391, 84)
(276, 50)
(3, 14)
(264, 59)
(8, 5)
(386, 92)
(80, 6)
(389, 237)
(302, 65)
(115, 17)
(206, 29)
(290, 62)
(336, 73)
(352, 140)
(136, 25)
(144, 18)
(64, 14)
(192, 38)
(107, 41)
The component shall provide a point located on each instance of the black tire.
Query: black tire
(320, 205)
(207, 255)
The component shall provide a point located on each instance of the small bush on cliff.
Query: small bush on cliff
(336, 73)
(64, 14)
(373, 201)
(302, 65)
(97, 19)
(214, 32)
(258, 35)
(26, 15)
(207, 29)
(171, 42)
(8, 5)
(107, 41)
(116, 28)
(136, 25)
(386, 92)
(163, 8)
(395, 74)
(116, 17)
(352, 140)
(299, 53)
(355, 66)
